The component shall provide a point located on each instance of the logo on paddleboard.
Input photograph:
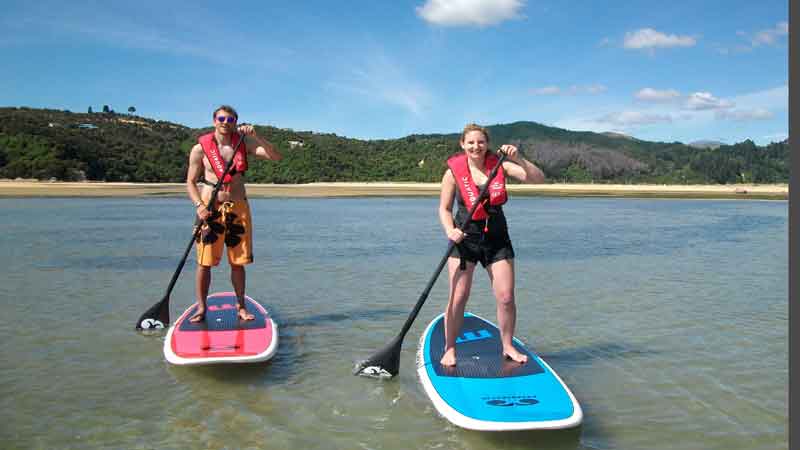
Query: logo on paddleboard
(375, 371)
(511, 400)
(151, 323)
(469, 336)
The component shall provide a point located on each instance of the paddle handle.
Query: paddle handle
(450, 245)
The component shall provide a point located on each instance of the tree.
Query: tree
(106, 109)
(131, 109)
(90, 110)
(576, 173)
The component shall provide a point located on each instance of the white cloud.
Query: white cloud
(770, 36)
(777, 137)
(773, 99)
(591, 89)
(648, 38)
(606, 42)
(655, 95)
(547, 90)
(117, 26)
(626, 119)
(702, 101)
(382, 79)
(688, 116)
(744, 115)
(480, 13)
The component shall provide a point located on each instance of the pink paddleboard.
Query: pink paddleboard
(222, 338)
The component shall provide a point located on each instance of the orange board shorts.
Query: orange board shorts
(228, 226)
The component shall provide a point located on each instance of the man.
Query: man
(228, 222)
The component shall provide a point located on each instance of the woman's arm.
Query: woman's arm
(446, 198)
(520, 168)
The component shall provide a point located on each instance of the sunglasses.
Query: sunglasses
(223, 119)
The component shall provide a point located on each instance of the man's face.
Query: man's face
(224, 122)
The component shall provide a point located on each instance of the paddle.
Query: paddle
(386, 363)
(158, 315)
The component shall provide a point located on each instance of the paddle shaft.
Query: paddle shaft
(451, 244)
(161, 309)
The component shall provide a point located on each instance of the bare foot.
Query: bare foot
(244, 315)
(513, 354)
(198, 316)
(508, 366)
(449, 358)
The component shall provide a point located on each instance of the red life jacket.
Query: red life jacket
(209, 145)
(469, 191)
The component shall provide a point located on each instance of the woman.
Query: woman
(485, 238)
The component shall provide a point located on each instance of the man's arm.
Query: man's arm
(192, 175)
(258, 146)
(265, 150)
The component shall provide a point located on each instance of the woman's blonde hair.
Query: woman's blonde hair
(475, 127)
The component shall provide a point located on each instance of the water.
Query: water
(668, 319)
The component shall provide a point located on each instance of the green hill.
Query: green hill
(46, 144)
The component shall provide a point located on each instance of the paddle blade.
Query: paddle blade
(157, 317)
(384, 364)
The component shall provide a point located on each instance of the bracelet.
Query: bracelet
(198, 203)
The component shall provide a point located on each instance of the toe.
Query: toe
(197, 318)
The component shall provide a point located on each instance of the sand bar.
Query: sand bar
(32, 188)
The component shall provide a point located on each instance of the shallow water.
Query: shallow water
(668, 319)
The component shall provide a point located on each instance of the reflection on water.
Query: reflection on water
(652, 311)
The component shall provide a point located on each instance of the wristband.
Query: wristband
(198, 203)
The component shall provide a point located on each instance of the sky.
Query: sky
(660, 71)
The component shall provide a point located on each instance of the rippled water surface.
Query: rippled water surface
(667, 318)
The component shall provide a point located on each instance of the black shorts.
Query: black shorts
(484, 249)
(487, 239)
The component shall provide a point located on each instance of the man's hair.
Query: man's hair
(475, 127)
(228, 109)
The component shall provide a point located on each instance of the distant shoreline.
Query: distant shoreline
(33, 188)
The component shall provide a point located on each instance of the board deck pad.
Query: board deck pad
(222, 337)
(479, 353)
(222, 314)
(485, 390)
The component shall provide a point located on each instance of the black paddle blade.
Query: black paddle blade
(157, 317)
(384, 364)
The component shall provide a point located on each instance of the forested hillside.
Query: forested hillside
(47, 144)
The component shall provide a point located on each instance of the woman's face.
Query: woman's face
(474, 144)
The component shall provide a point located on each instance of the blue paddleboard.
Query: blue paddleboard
(486, 391)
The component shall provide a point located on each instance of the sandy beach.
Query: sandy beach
(33, 188)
